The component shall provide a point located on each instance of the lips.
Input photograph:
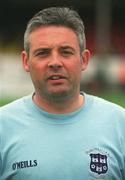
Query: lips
(56, 77)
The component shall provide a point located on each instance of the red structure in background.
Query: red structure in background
(117, 39)
(90, 39)
(122, 74)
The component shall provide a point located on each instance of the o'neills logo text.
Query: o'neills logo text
(24, 164)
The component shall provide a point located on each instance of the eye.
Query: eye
(42, 52)
(66, 52)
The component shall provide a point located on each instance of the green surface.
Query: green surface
(118, 98)
(6, 101)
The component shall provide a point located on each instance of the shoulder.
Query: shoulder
(15, 107)
(12, 106)
(103, 106)
(14, 114)
(103, 102)
(107, 115)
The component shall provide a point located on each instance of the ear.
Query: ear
(85, 59)
(25, 60)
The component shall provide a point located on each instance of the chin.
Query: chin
(60, 95)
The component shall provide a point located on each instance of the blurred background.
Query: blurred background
(105, 32)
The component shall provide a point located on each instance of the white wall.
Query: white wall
(14, 81)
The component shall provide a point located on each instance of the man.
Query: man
(58, 133)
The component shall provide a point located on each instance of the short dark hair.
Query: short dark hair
(58, 16)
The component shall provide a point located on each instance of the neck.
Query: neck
(60, 107)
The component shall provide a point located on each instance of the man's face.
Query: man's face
(54, 61)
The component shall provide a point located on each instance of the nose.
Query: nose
(55, 61)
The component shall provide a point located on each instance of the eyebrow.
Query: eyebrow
(41, 49)
(68, 47)
(63, 47)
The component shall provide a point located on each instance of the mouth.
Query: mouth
(56, 77)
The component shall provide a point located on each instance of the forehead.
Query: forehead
(52, 35)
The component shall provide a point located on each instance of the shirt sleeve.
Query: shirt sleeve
(0, 144)
(121, 132)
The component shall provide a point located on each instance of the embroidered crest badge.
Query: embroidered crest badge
(98, 163)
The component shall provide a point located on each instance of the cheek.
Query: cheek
(37, 66)
(36, 71)
(76, 69)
